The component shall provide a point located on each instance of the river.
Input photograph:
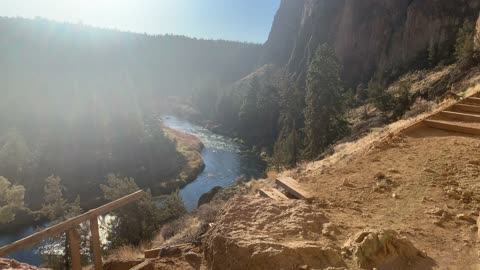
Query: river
(225, 160)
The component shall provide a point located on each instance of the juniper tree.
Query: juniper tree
(11, 199)
(464, 46)
(324, 121)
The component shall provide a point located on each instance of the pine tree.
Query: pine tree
(323, 113)
(141, 220)
(464, 46)
(11, 199)
(288, 143)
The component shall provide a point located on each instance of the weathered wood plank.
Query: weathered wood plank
(452, 127)
(146, 265)
(96, 245)
(467, 108)
(471, 100)
(66, 225)
(75, 248)
(293, 187)
(461, 116)
(152, 253)
(273, 194)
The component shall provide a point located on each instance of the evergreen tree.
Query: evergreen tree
(267, 115)
(11, 199)
(288, 144)
(138, 221)
(324, 121)
(58, 209)
(464, 46)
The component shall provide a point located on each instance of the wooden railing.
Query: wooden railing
(71, 226)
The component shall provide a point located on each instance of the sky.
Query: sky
(239, 20)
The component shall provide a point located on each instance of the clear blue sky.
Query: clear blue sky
(243, 20)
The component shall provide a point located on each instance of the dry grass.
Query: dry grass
(190, 147)
(129, 252)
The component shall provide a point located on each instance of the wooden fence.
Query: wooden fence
(71, 226)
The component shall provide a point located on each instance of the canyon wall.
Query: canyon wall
(367, 35)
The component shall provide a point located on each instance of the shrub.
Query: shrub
(141, 220)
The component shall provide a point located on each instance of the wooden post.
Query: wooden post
(96, 245)
(75, 248)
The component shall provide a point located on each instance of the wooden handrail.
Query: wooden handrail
(70, 225)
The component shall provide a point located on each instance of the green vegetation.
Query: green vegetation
(55, 206)
(11, 199)
(464, 46)
(286, 119)
(57, 209)
(138, 221)
(323, 113)
(377, 92)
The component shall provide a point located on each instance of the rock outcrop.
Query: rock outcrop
(383, 249)
(253, 233)
(477, 35)
(367, 35)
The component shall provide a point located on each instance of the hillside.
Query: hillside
(392, 36)
(403, 197)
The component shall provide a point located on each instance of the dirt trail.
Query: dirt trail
(424, 184)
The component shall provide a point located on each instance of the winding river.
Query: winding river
(224, 158)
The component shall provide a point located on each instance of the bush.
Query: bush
(401, 102)
(141, 220)
(418, 107)
(382, 100)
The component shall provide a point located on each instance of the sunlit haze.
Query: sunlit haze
(246, 20)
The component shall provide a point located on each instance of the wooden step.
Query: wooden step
(273, 194)
(467, 108)
(471, 100)
(461, 116)
(146, 265)
(293, 187)
(451, 126)
(151, 253)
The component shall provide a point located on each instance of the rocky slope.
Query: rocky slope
(367, 35)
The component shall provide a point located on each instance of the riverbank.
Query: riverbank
(190, 147)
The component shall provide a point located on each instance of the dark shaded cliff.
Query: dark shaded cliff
(391, 35)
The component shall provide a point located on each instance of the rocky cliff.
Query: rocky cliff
(367, 35)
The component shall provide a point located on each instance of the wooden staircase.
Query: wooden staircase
(463, 117)
(290, 185)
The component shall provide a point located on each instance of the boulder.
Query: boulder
(382, 249)
(255, 233)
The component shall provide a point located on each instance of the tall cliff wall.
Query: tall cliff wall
(367, 35)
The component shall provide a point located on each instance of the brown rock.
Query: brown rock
(382, 249)
(245, 236)
(399, 32)
(466, 218)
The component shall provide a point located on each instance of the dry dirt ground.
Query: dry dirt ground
(424, 184)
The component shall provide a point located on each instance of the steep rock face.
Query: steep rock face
(367, 35)
(477, 35)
